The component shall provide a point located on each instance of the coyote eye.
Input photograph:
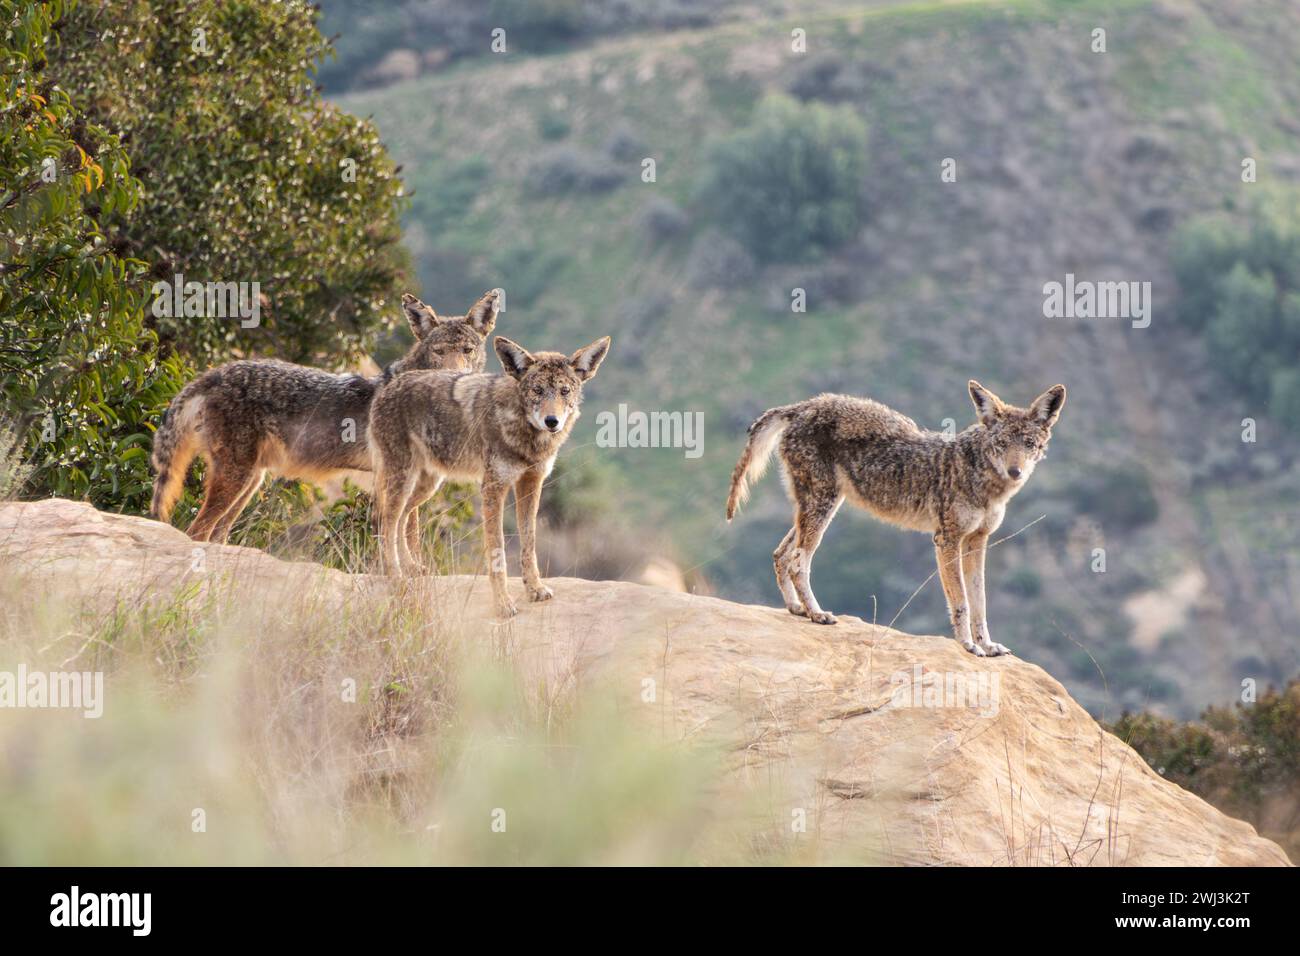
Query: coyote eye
(538, 390)
(468, 351)
(1029, 443)
(565, 390)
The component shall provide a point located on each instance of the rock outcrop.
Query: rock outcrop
(898, 745)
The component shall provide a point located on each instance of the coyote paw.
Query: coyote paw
(797, 610)
(506, 609)
(540, 593)
(974, 648)
(994, 649)
(821, 617)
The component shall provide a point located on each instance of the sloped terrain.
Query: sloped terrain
(854, 733)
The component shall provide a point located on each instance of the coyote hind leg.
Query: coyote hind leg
(221, 533)
(812, 516)
(226, 485)
(412, 549)
(783, 581)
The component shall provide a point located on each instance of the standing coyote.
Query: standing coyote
(250, 417)
(500, 430)
(836, 447)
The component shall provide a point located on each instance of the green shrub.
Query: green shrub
(81, 380)
(788, 187)
(1119, 496)
(1239, 282)
(1245, 759)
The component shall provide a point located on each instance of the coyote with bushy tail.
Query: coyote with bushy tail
(956, 488)
(251, 417)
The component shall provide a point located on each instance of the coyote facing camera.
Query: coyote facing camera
(251, 417)
(500, 430)
(835, 447)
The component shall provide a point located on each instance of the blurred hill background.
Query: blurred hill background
(526, 168)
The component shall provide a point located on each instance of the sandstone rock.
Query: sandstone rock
(845, 720)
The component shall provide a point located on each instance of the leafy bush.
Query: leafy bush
(553, 125)
(246, 172)
(662, 219)
(718, 261)
(568, 169)
(80, 375)
(1240, 284)
(788, 187)
(1245, 759)
(1120, 496)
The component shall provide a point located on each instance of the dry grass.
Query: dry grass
(241, 710)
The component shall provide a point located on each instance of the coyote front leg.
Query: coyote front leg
(972, 561)
(494, 544)
(528, 496)
(947, 551)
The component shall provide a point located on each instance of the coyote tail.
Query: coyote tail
(763, 436)
(174, 446)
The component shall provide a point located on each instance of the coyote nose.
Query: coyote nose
(552, 422)
(1014, 473)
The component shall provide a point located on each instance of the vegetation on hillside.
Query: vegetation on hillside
(1243, 759)
(1240, 285)
(789, 185)
(428, 34)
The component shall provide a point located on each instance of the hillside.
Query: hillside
(526, 174)
(804, 724)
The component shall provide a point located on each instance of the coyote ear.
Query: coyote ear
(421, 318)
(586, 360)
(1046, 408)
(515, 359)
(482, 315)
(987, 405)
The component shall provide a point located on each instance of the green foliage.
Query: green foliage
(1239, 282)
(788, 187)
(245, 171)
(80, 376)
(1118, 496)
(1245, 759)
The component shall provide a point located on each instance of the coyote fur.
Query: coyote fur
(835, 447)
(500, 430)
(248, 418)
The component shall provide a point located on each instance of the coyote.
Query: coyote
(501, 430)
(835, 447)
(250, 417)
